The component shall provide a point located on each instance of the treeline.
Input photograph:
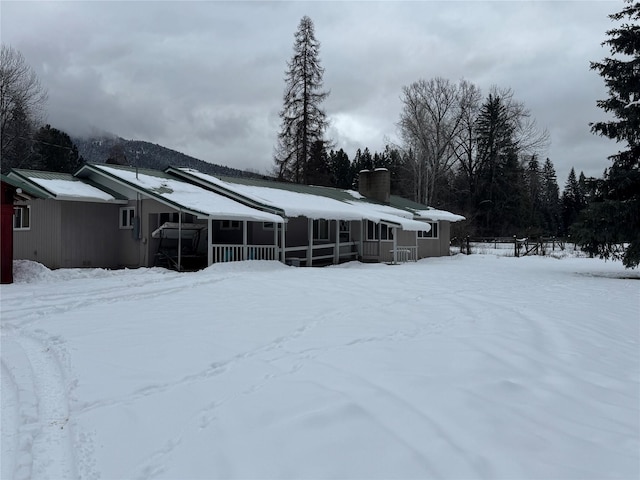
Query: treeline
(477, 155)
(536, 206)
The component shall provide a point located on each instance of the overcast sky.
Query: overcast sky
(207, 78)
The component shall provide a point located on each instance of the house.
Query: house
(66, 224)
(113, 216)
(325, 224)
(106, 216)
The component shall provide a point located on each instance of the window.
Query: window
(22, 217)
(377, 231)
(267, 225)
(345, 230)
(127, 215)
(229, 225)
(386, 232)
(372, 231)
(433, 233)
(321, 229)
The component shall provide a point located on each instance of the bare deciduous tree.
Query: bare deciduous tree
(22, 100)
(429, 122)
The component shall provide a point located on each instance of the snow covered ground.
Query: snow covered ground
(459, 367)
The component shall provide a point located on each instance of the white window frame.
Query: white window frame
(126, 222)
(230, 224)
(386, 232)
(374, 229)
(321, 226)
(431, 234)
(21, 217)
(379, 233)
(344, 230)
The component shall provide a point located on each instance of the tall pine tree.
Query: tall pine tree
(550, 199)
(303, 122)
(613, 216)
(572, 200)
(501, 190)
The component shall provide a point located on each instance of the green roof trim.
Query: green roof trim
(221, 190)
(26, 177)
(18, 179)
(151, 192)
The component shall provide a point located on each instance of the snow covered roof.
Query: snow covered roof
(179, 194)
(63, 186)
(424, 212)
(307, 201)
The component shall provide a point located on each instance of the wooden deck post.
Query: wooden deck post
(336, 256)
(179, 238)
(309, 243)
(275, 240)
(244, 240)
(395, 246)
(209, 242)
(283, 249)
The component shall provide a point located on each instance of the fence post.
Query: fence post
(515, 246)
(468, 247)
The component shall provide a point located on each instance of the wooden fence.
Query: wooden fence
(520, 247)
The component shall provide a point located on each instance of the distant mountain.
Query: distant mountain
(113, 149)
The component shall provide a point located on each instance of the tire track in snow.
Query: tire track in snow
(22, 312)
(212, 370)
(44, 434)
(10, 424)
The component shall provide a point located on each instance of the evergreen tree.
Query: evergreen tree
(361, 161)
(55, 151)
(500, 191)
(303, 122)
(550, 199)
(613, 217)
(318, 168)
(533, 177)
(572, 201)
(340, 166)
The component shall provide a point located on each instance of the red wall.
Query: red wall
(6, 234)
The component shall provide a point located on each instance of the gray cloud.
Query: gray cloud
(206, 78)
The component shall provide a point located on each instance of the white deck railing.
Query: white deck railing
(238, 253)
(379, 251)
(405, 254)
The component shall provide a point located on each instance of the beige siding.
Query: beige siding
(89, 235)
(259, 236)
(445, 238)
(436, 247)
(41, 243)
(406, 238)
